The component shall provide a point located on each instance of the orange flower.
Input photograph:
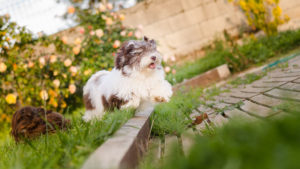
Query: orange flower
(53, 58)
(73, 70)
(64, 39)
(109, 6)
(102, 8)
(15, 67)
(76, 50)
(129, 34)
(3, 67)
(122, 17)
(77, 41)
(87, 72)
(67, 62)
(108, 21)
(99, 33)
(56, 83)
(81, 30)
(116, 44)
(30, 64)
(167, 69)
(71, 10)
(53, 102)
(173, 71)
(72, 88)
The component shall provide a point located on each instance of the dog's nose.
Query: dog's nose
(153, 58)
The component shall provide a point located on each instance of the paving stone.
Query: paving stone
(205, 125)
(205, 109)
(229, 100)
(170, 141)
(266, 100)
(297, 81)
(219, 120)
(284, 94)
(155, 148)
(250, 89)
(256, 109)
(236, 113)
(221, 105)
(187, 139)
(291, 86)
(283, 79)
(242, 95)
(284, 74)
(260, 84)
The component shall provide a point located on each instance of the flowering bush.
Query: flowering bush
(262, 14)
(50, 71)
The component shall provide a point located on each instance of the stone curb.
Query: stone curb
(125, 147)
(214, 75)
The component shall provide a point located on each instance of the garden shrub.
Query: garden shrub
(49, 71)
(263, 15)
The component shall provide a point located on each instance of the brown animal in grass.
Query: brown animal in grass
(30, 122)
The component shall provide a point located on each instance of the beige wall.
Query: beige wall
(182, 26)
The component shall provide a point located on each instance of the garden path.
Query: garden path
(254, 101)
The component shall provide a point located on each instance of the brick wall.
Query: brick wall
(182, 26)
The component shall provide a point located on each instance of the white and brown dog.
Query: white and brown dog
(136, 81)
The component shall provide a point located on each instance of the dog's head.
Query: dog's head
(138, 55)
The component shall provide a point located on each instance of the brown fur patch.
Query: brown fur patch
(112, 102)
(87, 102)
(29, 122)
(160, 99)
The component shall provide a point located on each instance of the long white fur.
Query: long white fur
(141, 87)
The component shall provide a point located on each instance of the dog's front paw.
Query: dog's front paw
(159, 99)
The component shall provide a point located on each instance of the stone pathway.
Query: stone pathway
(253, 101)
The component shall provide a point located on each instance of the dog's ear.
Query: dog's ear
(146, 38)
(124, 51)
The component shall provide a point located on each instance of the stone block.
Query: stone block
(238, 114)
(284, 94)
(256, 109)
(190, 4)
(162, 9)
(189, 34)
(291, 86)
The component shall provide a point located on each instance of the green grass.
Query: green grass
(173, 117)
(247, 79)
(239, 57)
(67, 149)
(189, 70)
(261, 144)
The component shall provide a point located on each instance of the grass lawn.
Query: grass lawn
(67, 149)
(272, 143)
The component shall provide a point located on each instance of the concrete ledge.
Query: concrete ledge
(125, 147)
(205, 79)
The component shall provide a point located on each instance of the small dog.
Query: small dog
(137, 81)
(30, 122)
